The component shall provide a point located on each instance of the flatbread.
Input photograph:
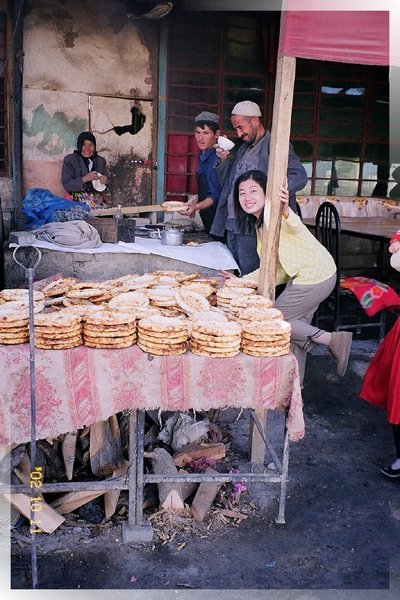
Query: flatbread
(240, 282)
(230, 354)
(20, 294)
(218, 329)
(152, 339)
(57, 320)
(108, 346)
(162, 351)
(111, 317)
(109, 339)
(172, 205)
(129, 301)
(276, 326)
(58, 287)
(191, 302)
(162, 324)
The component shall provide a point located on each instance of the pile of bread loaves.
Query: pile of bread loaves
(163, 312)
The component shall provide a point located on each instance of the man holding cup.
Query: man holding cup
(252, 154)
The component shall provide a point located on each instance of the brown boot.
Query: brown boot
(340, 347)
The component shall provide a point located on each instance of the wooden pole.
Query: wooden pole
(277, 168)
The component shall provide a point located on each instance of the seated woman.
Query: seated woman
(83, 171)
(304, 265)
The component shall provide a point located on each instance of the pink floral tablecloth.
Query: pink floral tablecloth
(78, 387)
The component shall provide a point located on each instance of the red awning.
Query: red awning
(342, 36)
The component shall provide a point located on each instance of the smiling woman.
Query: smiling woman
(305, 267)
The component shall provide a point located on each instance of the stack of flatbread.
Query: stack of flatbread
(216, 339)
(18, 300)
(85, 292)
(109, 329)
(162, 335)
(55, 291)
(226, 294)
(57, 330)
(13, 324)
(241, 282)
(239, 303)
(132, 302)
(266, 338)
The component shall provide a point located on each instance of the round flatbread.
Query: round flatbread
(59, 287)
(59, 345)
(57, 320)
(241, 282)
(218, 329)
(162, 351)
(129, 301)
(172, 205)
(121, 339)
(204, 289)
(147, 338)
(21, 294)
(191, 302)
(228, 354)
(276, 326)
(162, 324)
(108, 345)
(111, 317)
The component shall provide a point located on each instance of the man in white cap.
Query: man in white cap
(206, 133)
(252, 154)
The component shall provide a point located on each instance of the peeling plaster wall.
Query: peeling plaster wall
(85, 66)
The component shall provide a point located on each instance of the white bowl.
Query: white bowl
(225, 143)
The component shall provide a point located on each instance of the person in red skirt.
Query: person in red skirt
(381, 385)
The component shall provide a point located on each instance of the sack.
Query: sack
(41, 206)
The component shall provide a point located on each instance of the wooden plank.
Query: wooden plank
(47, 518)
(126, 210)
(204, 497)
(277, 169)
(193, 451)
(256, 443)
(70, 502)
(68, 448)
(170, 494)
(105, 447)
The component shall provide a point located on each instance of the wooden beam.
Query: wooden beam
(277, 169)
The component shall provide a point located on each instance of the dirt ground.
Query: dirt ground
(341, 538)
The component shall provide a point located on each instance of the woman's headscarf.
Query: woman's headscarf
(85, 135)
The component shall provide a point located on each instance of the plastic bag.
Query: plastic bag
(40, 207)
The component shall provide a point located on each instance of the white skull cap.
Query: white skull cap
(246, 108)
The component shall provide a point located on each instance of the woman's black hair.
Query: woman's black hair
(260, 178)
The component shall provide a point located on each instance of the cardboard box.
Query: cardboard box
(113, 230)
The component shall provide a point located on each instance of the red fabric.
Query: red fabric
(343, 36)
(373, 295)
(395, 238)
(381, 385)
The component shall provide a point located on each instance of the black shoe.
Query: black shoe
(387, 471)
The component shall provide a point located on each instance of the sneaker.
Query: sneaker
(340, 348)
(387, 471)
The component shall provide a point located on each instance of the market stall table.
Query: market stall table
(81, 386)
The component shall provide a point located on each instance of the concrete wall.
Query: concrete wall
(86, 65)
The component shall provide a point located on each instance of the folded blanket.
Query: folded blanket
(73, 234)
(373, 295)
